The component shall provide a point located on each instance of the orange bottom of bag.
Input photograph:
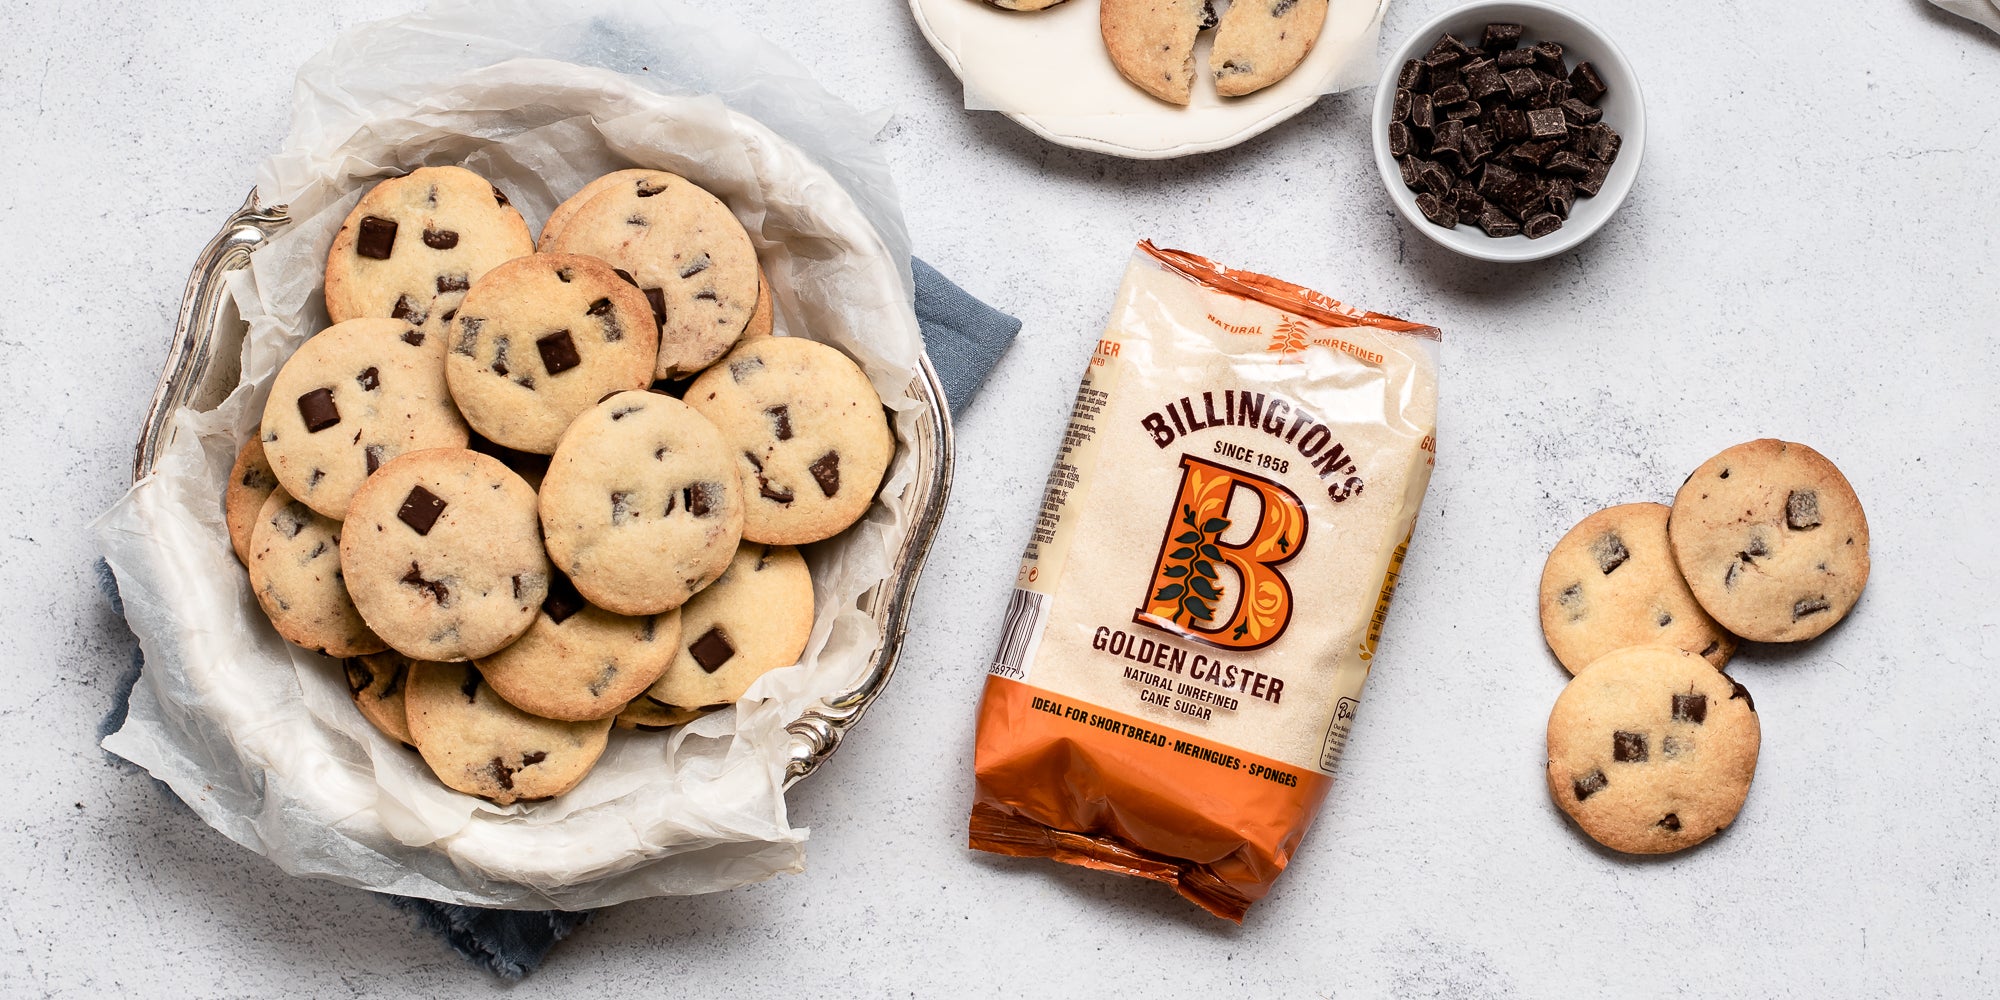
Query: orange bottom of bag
(1084, 785)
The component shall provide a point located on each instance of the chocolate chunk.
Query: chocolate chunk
(1399, 111)
(1538, 226)
(658, 300)
(743, 368)
(1739, 691)
(533, 758)
(599, 308)
(1670, 822)
(1446, 53)
(712, 650)
(826, 472)
(1664, 619)
(499, 196)
(318, 410)
(1580, 113)
(1549, 58)
(372, 455)
(1399, 139)
(1423, 114)
(781, 421)
(558, 352)
(1729, 575)
(1447, 136)
(1562, 161)
(772, 493)
(1450, 94)
(358, 674)
(1593, 177)
(1757, 549)
(1496, 222)
(1585, 83)
(1508, 59)
(701, 498)
(565, 275)
(1608, 143)
(563, 600)
(1691, 708)
(1610, 552)
(1802, 510)
(440, 239)
(421, 510)
(1500, 36)
(646, 189)
(1628, 746)
(406, 308)
(469, 685)
(1589, 785)
(1562, 196)
(1485, 81)
(1809, 606)
(1435, 179)
(370, 379)
(1409, 167)
(453, 283)
(1414, 75)
(626, 276)
(1709, 650)
(413, 338)
(1521, 83)
(502, 774)
(1209, 18)
(1477, 145)
(1436, 210)
(695, 266)
(1511, 124)
(376, 239)
(621, 506)
(437, 591)
(1547, 123)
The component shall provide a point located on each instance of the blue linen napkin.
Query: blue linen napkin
(965, 339)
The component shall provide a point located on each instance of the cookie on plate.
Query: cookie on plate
(580, 662)
(753, 620)
(378, 681)
(444, 556)
(1260, 42)
(649, 716)
(641, 505)
(684, 250)
(1651, 750)
(295, 571)
(542, 338)
(809, 433)
(1612, 582)
(478, 744)
(251, 482)
(1772, 540)
(350, 399)
(1152, 42)
(414, 244)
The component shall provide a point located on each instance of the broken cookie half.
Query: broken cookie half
(1257, 42)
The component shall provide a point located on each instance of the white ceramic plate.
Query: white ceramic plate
(1624, 110)
(1049, 71)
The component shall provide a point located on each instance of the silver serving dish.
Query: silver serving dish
(201, 371)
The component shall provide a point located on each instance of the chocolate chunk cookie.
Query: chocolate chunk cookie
(1260, 42)
(414, 244)
(1772, 540)
(1612, 582)
(1152, 43)
(580, 662)
(684, 250)
(349, 400)
(378, 681)
(808, 431)
(753, 620)
(478, 744)
(251, 482)
(1651, 750)
(641, 505)
(444, 556)
(649, 716)
(542, 338)
(295, 571)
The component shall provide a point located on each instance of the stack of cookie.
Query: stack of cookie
(1651, 746)
(533, 494)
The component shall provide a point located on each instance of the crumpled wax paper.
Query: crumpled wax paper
(262, 738)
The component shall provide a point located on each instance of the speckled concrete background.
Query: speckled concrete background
(1810, 253)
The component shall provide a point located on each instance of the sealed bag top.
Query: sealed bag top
(1200, 601)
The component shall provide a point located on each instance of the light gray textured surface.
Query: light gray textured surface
(1810, 253)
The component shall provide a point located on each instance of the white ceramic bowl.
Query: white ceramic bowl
(1624, 110)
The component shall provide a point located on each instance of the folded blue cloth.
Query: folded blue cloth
(964, 338)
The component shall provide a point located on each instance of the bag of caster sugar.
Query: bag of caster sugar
(1201, 598)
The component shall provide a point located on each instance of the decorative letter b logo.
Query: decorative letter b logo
(1188, 596)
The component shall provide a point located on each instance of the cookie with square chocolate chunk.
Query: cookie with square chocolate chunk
(808, 431)
(642, 505)
(1612, 582)
(1260, 42)
(477, 743)
(578, 661)
(1772, 540)
(444, 556)
(1152, 43)
(753, 620)
(251, 482)
(689, 256)
(296, 573)
(649, 716)
(351, 399)
(414, 244)
(378, 681)
(542, 338)
(1651, 750)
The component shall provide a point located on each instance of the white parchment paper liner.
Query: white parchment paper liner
(261, 738)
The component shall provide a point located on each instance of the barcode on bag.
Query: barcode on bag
(1020, 634)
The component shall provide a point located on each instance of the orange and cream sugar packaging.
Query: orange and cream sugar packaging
(1201, 599)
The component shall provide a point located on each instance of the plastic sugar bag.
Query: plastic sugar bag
(261, 738)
